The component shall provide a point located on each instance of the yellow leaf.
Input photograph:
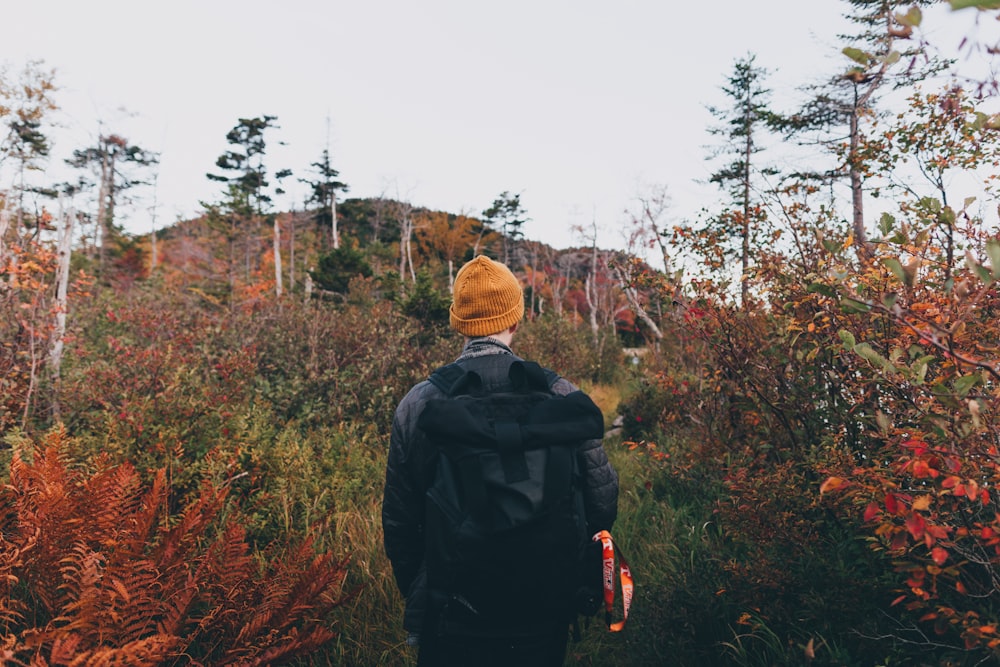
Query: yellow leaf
(832, 484)
(922, 503)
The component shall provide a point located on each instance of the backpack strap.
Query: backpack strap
(446, 376)
(525, 376)
(454, 380)
(528, 376)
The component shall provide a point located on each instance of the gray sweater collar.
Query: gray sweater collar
(480, 347)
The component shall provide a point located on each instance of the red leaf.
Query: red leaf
(937, 532)
(915, 524)
(939, 555)
(972, 489)
(891, 504)
(872, 511)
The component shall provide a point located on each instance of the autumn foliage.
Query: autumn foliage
(96, 571)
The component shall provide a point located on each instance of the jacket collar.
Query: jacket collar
(480, 347)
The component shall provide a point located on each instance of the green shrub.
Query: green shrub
(336, 268)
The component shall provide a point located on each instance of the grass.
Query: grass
(666, 540)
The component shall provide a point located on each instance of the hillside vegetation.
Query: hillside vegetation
(801, 391)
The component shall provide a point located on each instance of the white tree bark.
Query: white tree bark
(103, 223)
(4, 226)
(152, 235)
(632, 295)
(590, 289)
(333, 218)
(62, 288)
(277, 257)
(406, 224)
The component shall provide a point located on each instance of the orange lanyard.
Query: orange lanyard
(610, 550)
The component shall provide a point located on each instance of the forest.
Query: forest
(800, 385)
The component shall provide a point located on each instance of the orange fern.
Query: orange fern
(94, 572)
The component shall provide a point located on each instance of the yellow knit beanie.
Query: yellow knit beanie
(487, 298)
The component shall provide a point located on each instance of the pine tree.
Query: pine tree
(323, 191)
(507, 217)
(742, 123)
(846, 100)
(248, 192)
(118, 166)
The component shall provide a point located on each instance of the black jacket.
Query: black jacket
(403, 501)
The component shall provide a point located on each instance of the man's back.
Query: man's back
(506, 526)
(487, 306)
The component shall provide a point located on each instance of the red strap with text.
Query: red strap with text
(610, 550)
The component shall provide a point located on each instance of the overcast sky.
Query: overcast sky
(575, 104)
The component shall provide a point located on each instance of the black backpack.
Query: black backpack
(506, 535)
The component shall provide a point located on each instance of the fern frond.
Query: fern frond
(149, 652)
(109, 500)
(147, 516)
(293, 645)
(194, 521)
(108, 581)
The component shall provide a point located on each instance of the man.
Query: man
(487, 306)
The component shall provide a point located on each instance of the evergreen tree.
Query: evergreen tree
(742, 123)
(507, 217)
(26, 105)
(878, 63)
(245, 171)
(323, 192)
(336, 268)
(118, 166)
(248, 192)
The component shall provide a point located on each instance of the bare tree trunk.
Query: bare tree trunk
(232, 255)
(534, 272)
(152, 236)
(402, 251)
(857, 193)
(406, 241)
(65, 251)
(4, 226)
(590, 285)
(291, 253)
(103, 232)
(589, 290)
(333, 219)
(648, 226)
(277, 257)
(632, 295)
(745, 229)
